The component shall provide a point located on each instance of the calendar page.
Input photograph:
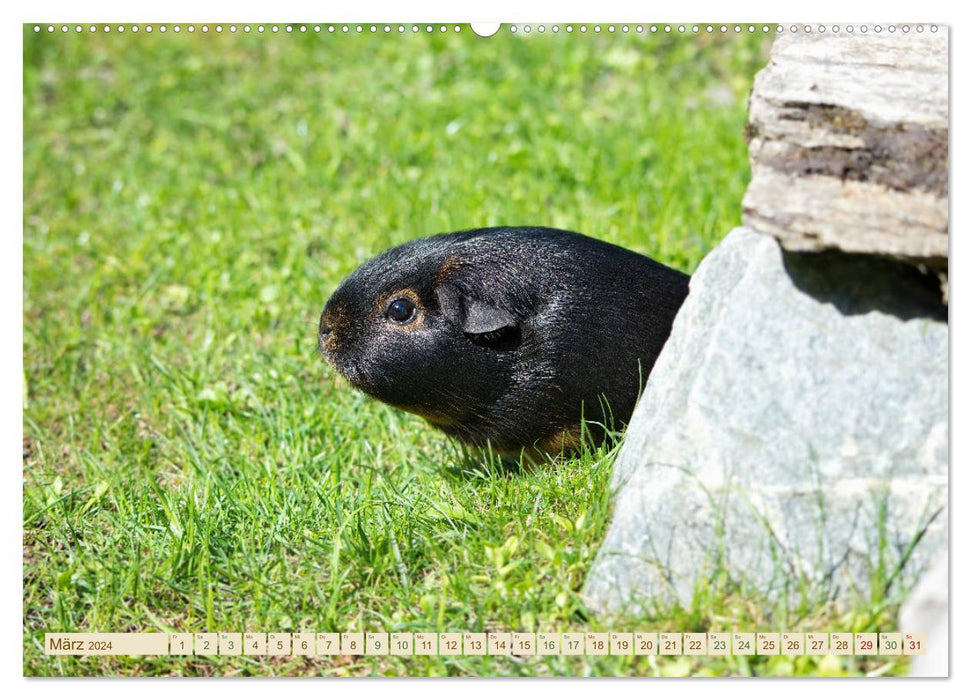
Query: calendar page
(513, 349)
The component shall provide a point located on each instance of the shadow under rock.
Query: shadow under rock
(858, 284)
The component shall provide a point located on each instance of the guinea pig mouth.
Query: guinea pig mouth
(353, 373)
(350, 369)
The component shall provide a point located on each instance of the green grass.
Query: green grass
(191, 463)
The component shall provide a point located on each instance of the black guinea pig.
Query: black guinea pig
(505, 336)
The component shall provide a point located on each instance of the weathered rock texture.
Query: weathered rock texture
(849, 145)
(793, 434)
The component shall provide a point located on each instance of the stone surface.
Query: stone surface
(793, 433)
(925, 612)
(848, 141)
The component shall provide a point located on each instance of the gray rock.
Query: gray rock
(857, 123)
(925, 612)
(793, 434)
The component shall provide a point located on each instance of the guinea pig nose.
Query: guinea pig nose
(323, 333)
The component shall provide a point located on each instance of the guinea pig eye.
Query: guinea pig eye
(401, 310)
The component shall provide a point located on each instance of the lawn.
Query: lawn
(191, 463)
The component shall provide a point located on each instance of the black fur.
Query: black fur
(520, 331)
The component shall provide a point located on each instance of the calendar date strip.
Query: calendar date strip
(518, 644)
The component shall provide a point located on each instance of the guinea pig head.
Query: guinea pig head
(424, 330)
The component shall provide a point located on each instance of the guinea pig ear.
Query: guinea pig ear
(470, 314)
